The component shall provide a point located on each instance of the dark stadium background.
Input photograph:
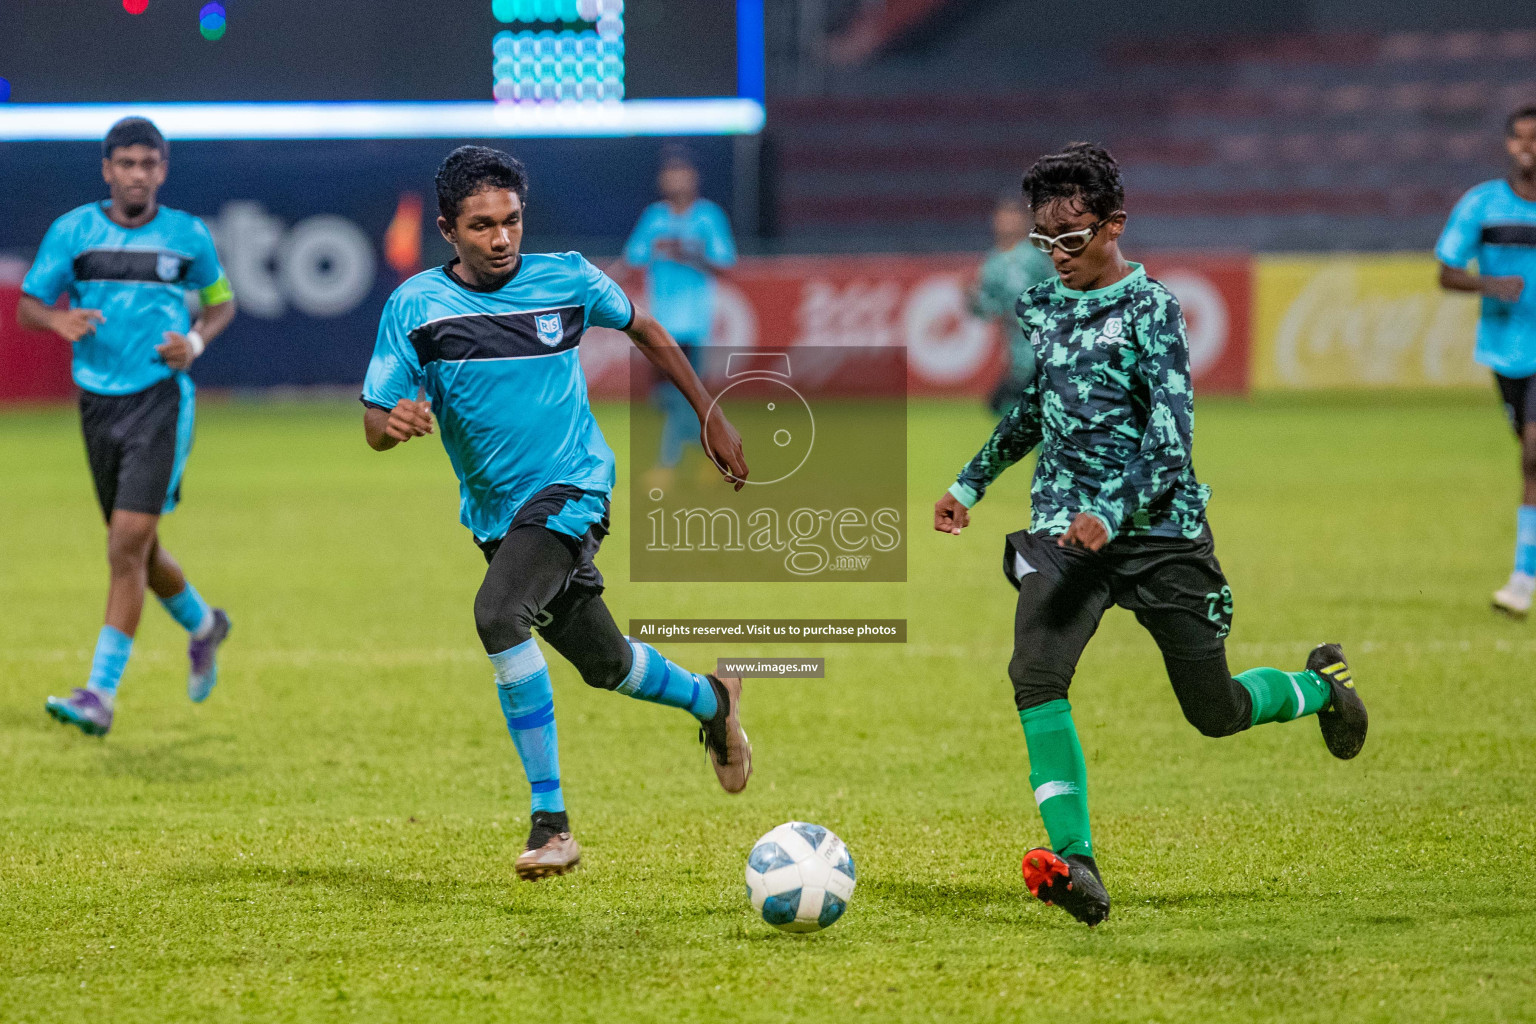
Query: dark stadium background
(1246, 130)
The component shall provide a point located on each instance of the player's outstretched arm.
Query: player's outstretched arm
(720, 440)
(386, 428)
(1014, 437)
(1506, 289)
(69, 324)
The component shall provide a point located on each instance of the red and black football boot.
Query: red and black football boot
(1071, 883)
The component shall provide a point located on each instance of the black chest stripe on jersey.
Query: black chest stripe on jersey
(1509, 234)
(131, 265)
(498, 335)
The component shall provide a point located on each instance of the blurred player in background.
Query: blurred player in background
(1494, 226)
(1012, 268)
(1118, 518)
(683, 241)
(126, 264)
(492, 338)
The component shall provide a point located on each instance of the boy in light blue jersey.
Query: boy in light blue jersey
(1494, 226)
(684, 241)
(126, 266)
(491, 338)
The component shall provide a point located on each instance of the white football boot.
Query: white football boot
(1515, 598)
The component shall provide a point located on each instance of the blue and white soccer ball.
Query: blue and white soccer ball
(800, 877)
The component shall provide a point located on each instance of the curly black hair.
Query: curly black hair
(471, 169)
(1519, 115)
(135, 131)
(1084, 173)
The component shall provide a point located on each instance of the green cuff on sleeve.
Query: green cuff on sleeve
(217, 293)
(963, 494)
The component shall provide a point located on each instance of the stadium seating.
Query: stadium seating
(1306, 142)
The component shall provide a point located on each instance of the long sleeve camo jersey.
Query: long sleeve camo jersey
(1111, 408)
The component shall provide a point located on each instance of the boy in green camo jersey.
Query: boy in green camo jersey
(1117, 518)
(1012, 267)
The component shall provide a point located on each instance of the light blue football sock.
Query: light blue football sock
(528, 702)
(1525, 540)
(112, 649)
(678, 428)
(189, 609)
(654, 678)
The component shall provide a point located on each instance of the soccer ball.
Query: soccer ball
(800, 877)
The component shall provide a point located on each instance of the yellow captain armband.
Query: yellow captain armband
(217, 293)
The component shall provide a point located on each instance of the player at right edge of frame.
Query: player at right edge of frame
(1494, 225)
(1117, 518)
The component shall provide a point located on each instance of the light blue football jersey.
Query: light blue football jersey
(1494, 227)
(682, 297)
(138, 278)
(505, 382)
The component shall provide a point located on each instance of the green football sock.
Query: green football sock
(1058, 776)
(1283, 696)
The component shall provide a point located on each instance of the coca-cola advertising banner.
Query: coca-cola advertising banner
(1361, 322)
(919, 302)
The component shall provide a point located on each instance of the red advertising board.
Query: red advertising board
(828, 301)
(920, 302)
(33, 366)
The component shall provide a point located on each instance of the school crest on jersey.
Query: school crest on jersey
(1114, 332)
(168, 266)
(550, 327)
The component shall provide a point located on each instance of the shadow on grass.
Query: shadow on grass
(1207, 899)
(348, 883)
(175, 762)
(960, 901)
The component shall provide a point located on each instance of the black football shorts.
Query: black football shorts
(137, 445)
(1174, 585)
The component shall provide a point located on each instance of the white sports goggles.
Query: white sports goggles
(1070, 242)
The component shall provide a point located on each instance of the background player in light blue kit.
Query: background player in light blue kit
(492, 339)
(126, 265)
(1494, 226)
(683, 241)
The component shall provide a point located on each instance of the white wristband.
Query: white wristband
(196, 341)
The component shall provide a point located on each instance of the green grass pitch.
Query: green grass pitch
(330, 837)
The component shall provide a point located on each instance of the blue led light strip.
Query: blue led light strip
(751, 51)
(36, 122)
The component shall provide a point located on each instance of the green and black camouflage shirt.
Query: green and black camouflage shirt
(1111, 408)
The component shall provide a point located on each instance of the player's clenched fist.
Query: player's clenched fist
(949, 516)
(178, 350)
(1087, 531)
(409, 419)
